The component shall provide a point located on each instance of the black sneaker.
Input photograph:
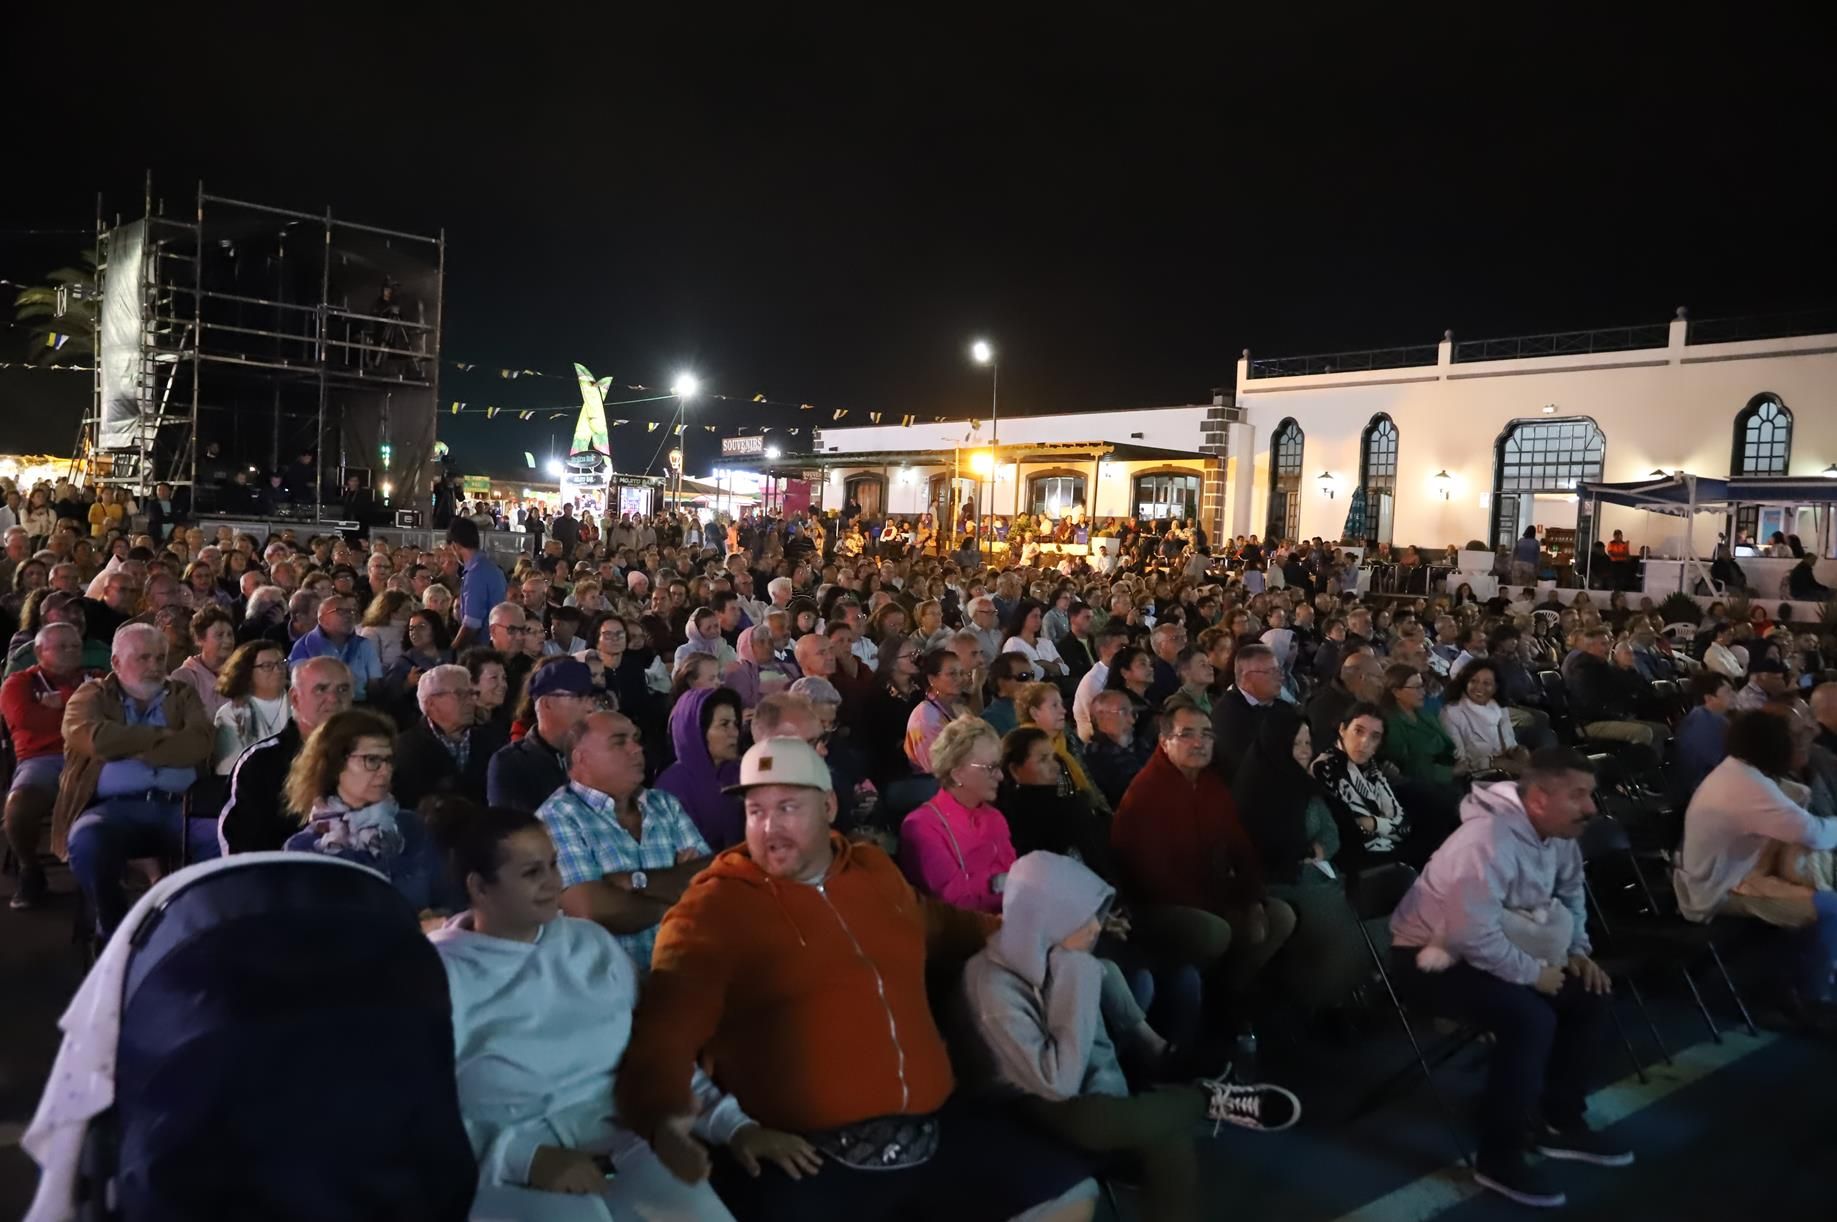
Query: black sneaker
(1516, 1180)
(31, 890)
(1255, 1105)
(1583, 1145)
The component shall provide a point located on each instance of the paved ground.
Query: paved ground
(1742, 1129)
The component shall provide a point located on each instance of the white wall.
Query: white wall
(1668, 408)
(1170, 428)
(907, 487)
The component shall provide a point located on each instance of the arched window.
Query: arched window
(1172, 493)
(1285, 447)
(1538, 465)
(1055, 493)
(1763, 446)
(1378, 475)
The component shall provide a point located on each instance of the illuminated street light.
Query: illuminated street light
(772, 453)
(983, 353)
(685, 387)
(555, 468)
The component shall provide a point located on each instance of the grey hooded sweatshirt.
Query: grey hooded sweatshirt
(1035, 1007)
(1494, 862)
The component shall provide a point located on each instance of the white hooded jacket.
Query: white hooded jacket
(539, 1029)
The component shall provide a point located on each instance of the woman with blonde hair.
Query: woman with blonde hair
(956, 846)
(339, 787)
(438, 599)
(1043, 705)
(386, 624)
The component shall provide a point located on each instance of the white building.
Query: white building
(1452, 442)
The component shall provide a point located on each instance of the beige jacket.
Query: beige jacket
(96, 731)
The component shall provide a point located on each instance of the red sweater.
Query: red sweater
(1180, 842)
(37, 728)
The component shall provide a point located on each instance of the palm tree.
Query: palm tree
(60, 315)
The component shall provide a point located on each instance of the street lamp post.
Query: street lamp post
(984, 354)
(684, 388)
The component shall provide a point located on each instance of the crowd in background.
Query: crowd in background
(1123, 794)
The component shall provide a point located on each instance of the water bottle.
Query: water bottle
(1244, 1056)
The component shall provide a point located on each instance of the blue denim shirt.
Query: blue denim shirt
(131, 776)
(358, 652)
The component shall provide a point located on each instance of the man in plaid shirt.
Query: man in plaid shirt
(625, 852)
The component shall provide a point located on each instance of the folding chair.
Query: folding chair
(1605, 838)
(1375, 893)
(1656, 931)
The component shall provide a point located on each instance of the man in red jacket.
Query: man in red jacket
(1190, 870)
(32, 701)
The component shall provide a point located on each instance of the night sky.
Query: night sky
(827, 210)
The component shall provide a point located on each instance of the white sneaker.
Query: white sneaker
(1258, 1105)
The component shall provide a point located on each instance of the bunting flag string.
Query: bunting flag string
(55, 341)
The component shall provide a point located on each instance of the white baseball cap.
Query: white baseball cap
(782, 761)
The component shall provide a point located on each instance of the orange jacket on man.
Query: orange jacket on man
(806, 1003)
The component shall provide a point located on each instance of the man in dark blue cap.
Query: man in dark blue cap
(523, 774)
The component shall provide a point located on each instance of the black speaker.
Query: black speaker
(408, 519)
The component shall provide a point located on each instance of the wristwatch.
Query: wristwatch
(639, 880)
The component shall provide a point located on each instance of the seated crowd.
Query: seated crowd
(682, 846)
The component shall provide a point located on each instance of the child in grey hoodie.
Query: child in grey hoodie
(1033, 998)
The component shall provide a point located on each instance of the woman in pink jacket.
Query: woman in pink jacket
(956, 846)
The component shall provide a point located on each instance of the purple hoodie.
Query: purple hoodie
(695, 780)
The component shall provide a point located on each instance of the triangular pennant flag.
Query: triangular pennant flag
(758, 398)
(806, 407)
(490, 411)
(532, 373)
(840, 412)
(937, 420)
(677, 430)
(708, 428)
(793, 432)
(765, 430)
(529, 458)
(619, 422)
(874, 416)
(556, 415)
(456, 407)
(650, 426)
(464, 366)
(503, 373)
(526, 415)
(905, 422)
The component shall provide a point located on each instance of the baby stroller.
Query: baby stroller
(266, 1036)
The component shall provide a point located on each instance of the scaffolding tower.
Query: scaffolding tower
(245, 335)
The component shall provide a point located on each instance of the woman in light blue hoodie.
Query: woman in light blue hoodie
(542, 1008)
(1034, 998)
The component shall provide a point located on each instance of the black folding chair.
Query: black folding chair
(1556, 704)
(1653, 930)
(1605, 838)
(1375, 894)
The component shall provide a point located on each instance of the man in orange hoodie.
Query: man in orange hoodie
(794, 969)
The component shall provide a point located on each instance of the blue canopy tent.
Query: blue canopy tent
(1687, 495)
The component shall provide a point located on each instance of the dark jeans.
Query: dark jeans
(1155, 1130)
(115, 831)
(1543, 1051)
